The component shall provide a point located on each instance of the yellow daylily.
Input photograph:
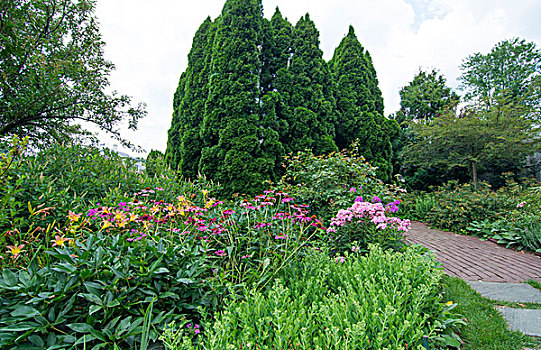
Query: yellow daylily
(74, 217)
(106, 224)
(15, 250)
(60, 240)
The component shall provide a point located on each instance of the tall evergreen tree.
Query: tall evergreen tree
(308, 106)
(174, 138)
(360, 105)
(184, 146)
(239, 152)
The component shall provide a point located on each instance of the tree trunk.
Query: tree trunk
(474, 174)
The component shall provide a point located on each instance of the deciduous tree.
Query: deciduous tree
(53, 72)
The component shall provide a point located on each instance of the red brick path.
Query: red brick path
(474, 260)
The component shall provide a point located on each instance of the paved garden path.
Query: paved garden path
(474, 260)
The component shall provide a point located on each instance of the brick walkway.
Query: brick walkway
(474, 260)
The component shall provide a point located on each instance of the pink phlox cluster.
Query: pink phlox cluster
(363, 212)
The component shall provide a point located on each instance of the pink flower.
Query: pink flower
(521, 204)
(352, 190)
(220, 253)
(340, 259)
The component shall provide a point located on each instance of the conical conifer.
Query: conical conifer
(184, 149)
(239, 152)
(308, 107)
(360, 105)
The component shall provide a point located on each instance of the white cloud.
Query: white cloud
(149, 42)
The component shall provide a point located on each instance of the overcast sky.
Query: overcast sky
(149, 41)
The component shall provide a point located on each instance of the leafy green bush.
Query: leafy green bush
(523, 232)
(453, 206)
(97, 291)
(381, 301)
(509, 215)
(331, 182)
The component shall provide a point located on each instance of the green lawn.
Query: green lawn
(486, 329)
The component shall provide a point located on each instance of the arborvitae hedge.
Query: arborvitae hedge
(256, 89)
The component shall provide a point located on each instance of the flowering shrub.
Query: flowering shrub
(381, 301)
(366, 223)
(330, 182)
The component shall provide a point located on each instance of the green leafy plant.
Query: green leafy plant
(331, 182)
(99, 292)
(383, 300)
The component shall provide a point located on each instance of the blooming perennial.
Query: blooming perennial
(366, 212)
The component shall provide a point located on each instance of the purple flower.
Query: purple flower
(376, 199)
(359, 199)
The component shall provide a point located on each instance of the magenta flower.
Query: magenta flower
(352, 190)
(220, 253)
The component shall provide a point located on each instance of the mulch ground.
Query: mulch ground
(471, 259)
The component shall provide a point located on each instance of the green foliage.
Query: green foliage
(328, 183)
(40, 190)
(509, 216)
(486, 328)
(239, 152)
(54, 73)
(96, 292)
(510, 71)
(454, 206)
(256, 89)
(520, 232)
(425, 98)
(150, 164)
(360, 106)
(184, 143)
(107, 265)
(381, 301)
(477, 140)
(308, 108)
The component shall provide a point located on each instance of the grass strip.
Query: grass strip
(534, 284)
(486, 329)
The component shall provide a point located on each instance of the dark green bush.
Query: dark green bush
(453, 206)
